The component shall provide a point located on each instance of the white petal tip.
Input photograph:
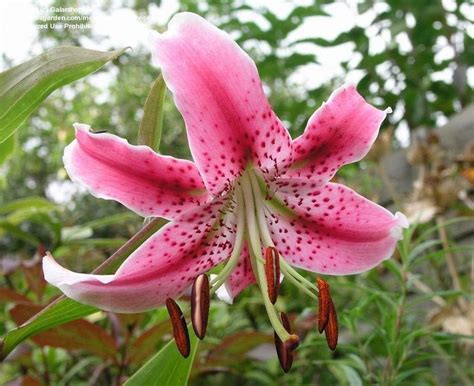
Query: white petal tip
(51, 270)
(388, 110)
(62, 278)
(81, 126)
(402, 220)
(402, 223)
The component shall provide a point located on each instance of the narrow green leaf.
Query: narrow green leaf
(75, 335)
(167, 367)
(7, 148)
(38, 203)
(59, 312)
(63, 309)
(24, 87)
(151, 125)
(110, 220)
(15, 230)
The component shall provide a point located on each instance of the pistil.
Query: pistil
(257, 262)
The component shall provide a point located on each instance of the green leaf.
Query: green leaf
(64, 310)
(58, 312)
(167, 367)
(37, 204)
(151, 125)
(110, 220)
(15, 230)
(7, 148)
(24, 87)
(75, 335)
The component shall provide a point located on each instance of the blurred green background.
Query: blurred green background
(408, 322)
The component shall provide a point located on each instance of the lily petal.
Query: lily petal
(218, 91)
(164, 266)
(333, 230)
(240, 278)
(340, 132)
(145, 182)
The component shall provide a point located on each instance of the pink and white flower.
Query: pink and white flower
(250, 186)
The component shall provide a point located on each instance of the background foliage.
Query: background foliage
(403, 323)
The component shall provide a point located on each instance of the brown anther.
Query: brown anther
(285, 349)
(180, 330)
(324, 297)
(272, 273)
(332, 330)
(200, 305)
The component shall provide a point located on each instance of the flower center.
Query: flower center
(250, 195)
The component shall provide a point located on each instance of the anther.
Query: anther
(324, 298)
(272, 273)
(200, 305)
(285, 350)
(180, 330)
(332, 329)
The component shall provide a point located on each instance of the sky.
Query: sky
(19, 19)
(18, 29)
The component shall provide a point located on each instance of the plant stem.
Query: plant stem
(450, 261)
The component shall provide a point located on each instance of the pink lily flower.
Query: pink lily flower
(250, 187)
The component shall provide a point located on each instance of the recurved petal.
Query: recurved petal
(332, 229)
(217, 89)
(144, 181)
(163, 267)
(341, 131)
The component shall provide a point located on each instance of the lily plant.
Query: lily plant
(253, 203)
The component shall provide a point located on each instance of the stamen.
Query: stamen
(255, 249)
(288, 271)
(180, 330)
(272, 273)
(200, 305)
(299, 281)
(285, 354)
(332, 330)
(324, 298)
